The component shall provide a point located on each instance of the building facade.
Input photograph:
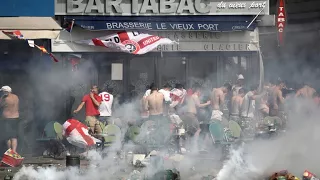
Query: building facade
(216, 40)
(21, 66)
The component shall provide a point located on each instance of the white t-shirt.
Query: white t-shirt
(147, 93)
(248, 106)
(166, 95)
(106, 104)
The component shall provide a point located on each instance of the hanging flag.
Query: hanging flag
(17, 34)
(281, 21)
(53, 57)
(128, 41)
(70, 26)
(31, 43)
(45, 51)
(75, 61)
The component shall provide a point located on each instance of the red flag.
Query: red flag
(16, 34)
(42, 49)
(74, 63)
(54, 58)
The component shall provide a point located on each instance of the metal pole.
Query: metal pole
(255, 17)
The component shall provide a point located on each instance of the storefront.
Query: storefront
(22, 66)
(216, 40)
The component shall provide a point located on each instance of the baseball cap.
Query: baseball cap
(6, 89)
(240, 76)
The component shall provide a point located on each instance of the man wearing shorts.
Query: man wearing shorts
(10, 120)
(190, 117)
(92, 102)
(217, 98)
(236, 103)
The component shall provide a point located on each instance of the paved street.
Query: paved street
(191, 167)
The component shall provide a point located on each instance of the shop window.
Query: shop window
(104, 66)
(202, 70)
(243, 64)
(142, 73)
(231, 68)
(250, 69)
(173, 70)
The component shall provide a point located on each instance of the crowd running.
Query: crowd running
(194, 110)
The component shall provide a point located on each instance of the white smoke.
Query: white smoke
(294, 151)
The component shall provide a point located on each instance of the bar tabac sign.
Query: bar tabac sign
(281, 22)
(161, 7)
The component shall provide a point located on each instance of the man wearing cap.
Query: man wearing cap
(10, 117)
(239, 85)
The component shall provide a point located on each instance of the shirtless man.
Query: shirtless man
(217, 97)
(154, 104)
(236, 103)
(306, 92)
(10, 122)
(190, 117)
(275, 99)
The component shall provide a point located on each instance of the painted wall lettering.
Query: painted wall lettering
(160, 7)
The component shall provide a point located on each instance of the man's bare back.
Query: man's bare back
(11, 106)
(236, 102)
(275, 101)
(306, 92)
(154, 103)
(216, 98)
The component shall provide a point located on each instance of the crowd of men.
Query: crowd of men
(196, 110)
(192, 106)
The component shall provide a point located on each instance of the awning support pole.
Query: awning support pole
(255, 17)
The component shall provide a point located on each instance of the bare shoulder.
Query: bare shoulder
(15, 96)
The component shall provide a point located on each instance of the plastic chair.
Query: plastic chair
(51, 138)
(235, 129)
(133, 133)
(48, 132)
(58, 129)
(216, 132)
(112, 134)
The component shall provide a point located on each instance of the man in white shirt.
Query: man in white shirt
(239, 85)
(166, 91)
(105, 107)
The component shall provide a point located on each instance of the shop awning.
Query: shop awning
(167, 23)
(30, 27)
